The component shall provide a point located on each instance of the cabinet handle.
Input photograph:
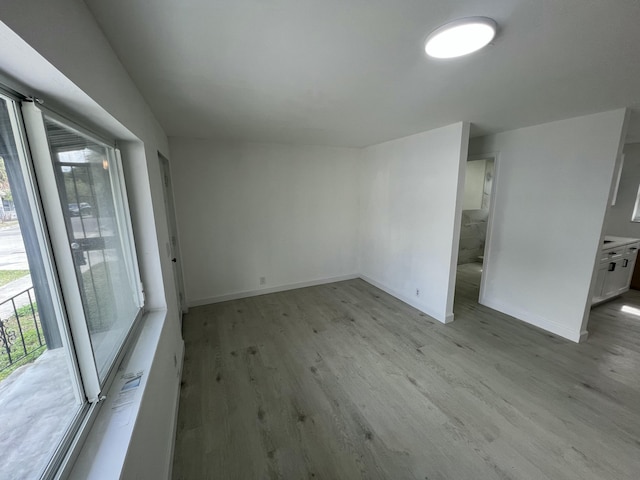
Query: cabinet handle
(612, 266)
(626, 262)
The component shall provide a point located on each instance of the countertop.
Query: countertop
(614, 242)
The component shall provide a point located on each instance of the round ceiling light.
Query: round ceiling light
(460, 37)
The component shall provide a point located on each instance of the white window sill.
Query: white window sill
(105, 449)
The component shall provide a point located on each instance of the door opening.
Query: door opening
(477, 206)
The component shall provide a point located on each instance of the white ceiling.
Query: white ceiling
(354, 72)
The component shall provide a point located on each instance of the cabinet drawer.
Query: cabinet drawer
(613, 254)
(631, 249)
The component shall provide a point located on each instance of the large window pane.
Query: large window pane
(40, 395)
(89, 186)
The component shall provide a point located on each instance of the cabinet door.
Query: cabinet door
(614, 280)
(628, 264)
(600, 280)
(617, 279)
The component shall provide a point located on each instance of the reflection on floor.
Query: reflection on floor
(468, 283)
(616, 322)
(345, 381)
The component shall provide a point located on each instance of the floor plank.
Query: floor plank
(342, 381)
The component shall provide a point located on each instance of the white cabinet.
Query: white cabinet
(615, 270)
(630, 263)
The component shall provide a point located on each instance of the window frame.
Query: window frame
(120, 198)
(38, 172)
(36, 211)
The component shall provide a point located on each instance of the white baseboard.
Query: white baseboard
(532, 319)
(175, 414)
(292, 286)
(410, 301)
(583, 336)
(264, 291)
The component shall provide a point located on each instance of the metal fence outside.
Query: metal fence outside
(20, 328)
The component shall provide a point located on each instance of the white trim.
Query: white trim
(103, 453)
(77, 441)
(175, 413)
(457, 222)
(67, 121)
(173, 231)
(583, 336)
(617, 176)
(292, 286)
(635, 216)
(448, 318)
(125, 225)
(41, 155)
(36, 212)
(263, 291)
(535, 320)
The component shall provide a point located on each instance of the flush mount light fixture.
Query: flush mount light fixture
(460, 37)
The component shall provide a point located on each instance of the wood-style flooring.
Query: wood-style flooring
(342, 381)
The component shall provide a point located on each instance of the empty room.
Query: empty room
(324, 240)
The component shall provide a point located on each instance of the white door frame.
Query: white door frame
(172, 226)
(488, 251)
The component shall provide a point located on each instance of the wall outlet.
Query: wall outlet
(263, 280)
(417, 292)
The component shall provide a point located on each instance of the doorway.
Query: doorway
(477, 203)
(174, 244)
(614, 306)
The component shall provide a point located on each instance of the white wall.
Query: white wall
(618, 221)
(474, 185)
(250, 210)
(411, 194)
(553, 185)
(56, 49)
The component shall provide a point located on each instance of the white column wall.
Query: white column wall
(553, 183)
(410, 207)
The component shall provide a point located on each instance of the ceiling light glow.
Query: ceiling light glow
(460, 37)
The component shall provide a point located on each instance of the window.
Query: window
(89, 187)
(70, 293)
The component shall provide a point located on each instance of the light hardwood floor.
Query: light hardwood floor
(343, 381)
